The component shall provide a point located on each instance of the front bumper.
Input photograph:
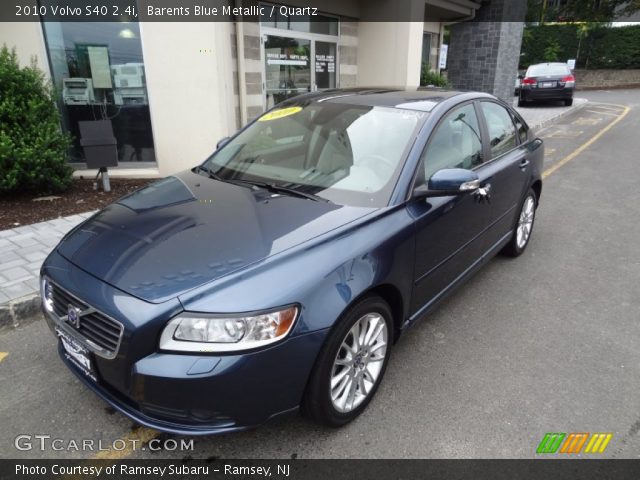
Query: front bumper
(177, 411)
(190, 394)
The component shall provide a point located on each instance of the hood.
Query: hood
(187, 230)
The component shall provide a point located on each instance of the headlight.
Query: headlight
(198, 332)
(46, 293)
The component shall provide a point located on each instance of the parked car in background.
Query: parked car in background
(547, 82)
(279, 273)
(516, 90)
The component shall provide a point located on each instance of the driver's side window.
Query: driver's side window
(455, 144)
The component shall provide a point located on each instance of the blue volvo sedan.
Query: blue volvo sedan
(278, 274)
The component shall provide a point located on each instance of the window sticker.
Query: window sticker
(279, 113)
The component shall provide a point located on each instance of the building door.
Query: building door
(296, 63)
(288, 69)
(325, 65)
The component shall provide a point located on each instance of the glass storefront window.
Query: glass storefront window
(287, 68)
(322, 24)
(98, 73)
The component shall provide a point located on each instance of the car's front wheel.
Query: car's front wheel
(524, 226)
(351, 364)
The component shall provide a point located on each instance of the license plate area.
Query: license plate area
(548, 84)
(77, 354)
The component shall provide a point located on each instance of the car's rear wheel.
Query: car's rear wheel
(524, 226)
(568, 102)
(351, 364)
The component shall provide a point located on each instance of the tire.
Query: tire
(568, 102)
(321, 402)
(521, 103)
(521, 236)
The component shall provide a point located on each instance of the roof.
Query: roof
(422, 99)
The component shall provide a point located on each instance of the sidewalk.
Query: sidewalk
(22, 251)
(539, 116)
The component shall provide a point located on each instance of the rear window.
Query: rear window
(538, 70)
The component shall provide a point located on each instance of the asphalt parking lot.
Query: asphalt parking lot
(548, 342)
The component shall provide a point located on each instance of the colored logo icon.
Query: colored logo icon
(574, 442)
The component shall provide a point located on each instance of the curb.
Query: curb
(552, 120)
(20, 311)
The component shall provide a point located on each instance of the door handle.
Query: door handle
(483, 194)
(524, 163)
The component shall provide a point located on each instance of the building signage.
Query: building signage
(444, 50)
(275, 58)
(325, 63)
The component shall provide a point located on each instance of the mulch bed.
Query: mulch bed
(20, 209)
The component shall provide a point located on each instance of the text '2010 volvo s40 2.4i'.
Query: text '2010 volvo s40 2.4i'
(279, 273)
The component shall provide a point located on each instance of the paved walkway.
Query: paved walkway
(541, 115)
(23, 249)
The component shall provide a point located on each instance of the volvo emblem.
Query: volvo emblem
(73, 316)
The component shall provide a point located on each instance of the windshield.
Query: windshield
(348, 154)
(539, 70)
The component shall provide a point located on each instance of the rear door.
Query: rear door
(505, 171)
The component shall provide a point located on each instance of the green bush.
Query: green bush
(428, 77)
(33, 150)
(593, 45)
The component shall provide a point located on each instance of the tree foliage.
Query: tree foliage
(593, 45)
(33, 150)
(580, 10)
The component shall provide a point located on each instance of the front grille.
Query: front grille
(95, 327)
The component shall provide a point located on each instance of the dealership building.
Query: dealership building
(172, 90)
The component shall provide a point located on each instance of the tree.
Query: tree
(33, 149)
(552, 51)
(580, 10)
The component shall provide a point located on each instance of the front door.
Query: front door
(449, 230)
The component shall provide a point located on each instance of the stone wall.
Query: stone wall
(484, 53)
(595, 79)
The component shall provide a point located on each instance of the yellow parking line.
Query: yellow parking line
(138, 436)
(3, 355)
(582, 148)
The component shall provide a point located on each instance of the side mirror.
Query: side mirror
(222, 142)
(520, 76)
(448, 182)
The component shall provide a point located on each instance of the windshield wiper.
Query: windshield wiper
(210, 173)
(274, 187)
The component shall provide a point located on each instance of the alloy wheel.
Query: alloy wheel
(525, 222)
(359, 362)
